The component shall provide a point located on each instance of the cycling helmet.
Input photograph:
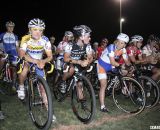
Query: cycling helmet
(136, 38)
(68, 34)
(153, 38)
(123, 37)
(81, 30)
(36, 22)
(10, 23)
(95, 43)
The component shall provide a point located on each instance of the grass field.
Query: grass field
(17, 117)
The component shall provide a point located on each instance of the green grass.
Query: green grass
(17, 117)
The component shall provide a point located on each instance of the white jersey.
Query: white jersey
(35, 49)
(61, 46)
(112, 51)
(147, 50)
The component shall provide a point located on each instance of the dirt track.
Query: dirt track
(98, 122)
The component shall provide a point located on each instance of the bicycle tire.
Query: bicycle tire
(154, 91)
(32, 92)
(76, 103)
(131, 98)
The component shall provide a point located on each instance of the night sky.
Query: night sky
(102, 16)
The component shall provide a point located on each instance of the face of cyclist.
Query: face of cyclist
(36, 33)
(86, 38)
(104, 43)
(52, 40)
(139, 44)
(120, 44)
(10, 28)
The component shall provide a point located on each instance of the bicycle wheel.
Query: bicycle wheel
(83, 100)
(151, 90)
(128, 95)
(59, 96)
(40, 103)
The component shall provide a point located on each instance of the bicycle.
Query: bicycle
(149, 85)
(128, 94)
(83, 100)
(8, 80)
(38, 97)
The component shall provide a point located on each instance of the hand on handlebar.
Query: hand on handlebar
(84, 63)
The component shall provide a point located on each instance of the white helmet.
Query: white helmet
(123, 37)
(36, 22)
(95, 43)
(68, 34)
(136, 38)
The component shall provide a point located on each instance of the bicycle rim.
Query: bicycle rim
(40, 103)
(151, 90)
(83, 102)
(129, 96)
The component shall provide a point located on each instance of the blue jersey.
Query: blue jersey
(9, 41)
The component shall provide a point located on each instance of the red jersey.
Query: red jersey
(99, 50)
(131, 50)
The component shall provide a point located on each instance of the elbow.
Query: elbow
(66, 60)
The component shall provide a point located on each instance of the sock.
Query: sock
(102, 106)
(21, 87)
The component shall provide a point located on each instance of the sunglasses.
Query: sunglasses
(37, 29)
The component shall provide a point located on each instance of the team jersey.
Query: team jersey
(77, 52)
(9, 41)
(133, 50)
(148, 51)
(35, 49)
(99, 51)
(61, 46)
(111, 51)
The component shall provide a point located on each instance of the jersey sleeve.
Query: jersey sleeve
(1, 37)
(16, 39)
(23, 43)
(89, 49)
(68, 48)
(139, 52)
(144, 50)
(111, 49)
(124, 53)
(47, 46)
(130, 52)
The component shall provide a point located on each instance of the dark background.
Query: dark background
(102, 16)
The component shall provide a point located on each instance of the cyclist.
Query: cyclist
(9, 44)
(150, 52)
(102, 46)
(95, 52)
(134, 50)
(108, 62)
(76, 51)
(52, 40)
(32, 48)
(68, 37)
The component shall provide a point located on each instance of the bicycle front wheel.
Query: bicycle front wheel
(40, 103)
(129, 96)
(83, 100)
(151, 90)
